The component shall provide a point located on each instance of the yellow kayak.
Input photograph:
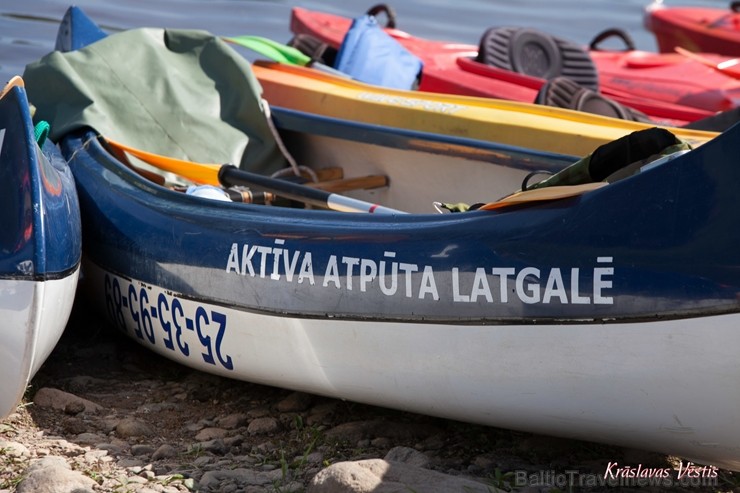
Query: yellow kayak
(526, 125)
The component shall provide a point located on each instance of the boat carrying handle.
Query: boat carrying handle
(613, 32)
(389, 13)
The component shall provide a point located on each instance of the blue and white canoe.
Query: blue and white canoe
(40, 247)
(611, 316)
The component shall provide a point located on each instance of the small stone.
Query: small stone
(292, 487)
(133, 464)
(94, 456)
(72, 425)
(194, 427)
(89, 439)
(234, 441)
(263, 426)
(240, 476)
(109, 423)
(138, 450)
(214, 446)
(53, 475)
(314, 458)
(68, 449)
(74, 407)
(366, 476)
(57, 399)
(132, 427)
(14, 449)
(266, 447)
(111, 448)
(408, 456)
(154, 407)
(257, 413)
(165, 451)
(381, 442)
(203, 461)
(233, 421)
(295, 402)
(434, 442)
(207, 434)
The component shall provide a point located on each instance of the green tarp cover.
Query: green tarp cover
(179, 93)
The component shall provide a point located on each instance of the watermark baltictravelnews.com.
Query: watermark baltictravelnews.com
(686, 474)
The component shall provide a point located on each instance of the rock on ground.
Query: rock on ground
(381, 476)
(53, 475)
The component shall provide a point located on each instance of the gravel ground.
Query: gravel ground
(106, 415)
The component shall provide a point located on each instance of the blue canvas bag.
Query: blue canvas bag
(370, 55)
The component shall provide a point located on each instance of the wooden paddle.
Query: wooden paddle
(543, 194)
(229, 175)
(730, 67)
(15, 81)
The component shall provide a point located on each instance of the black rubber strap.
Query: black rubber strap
(525, 182)
(387, 10)
(610, 33)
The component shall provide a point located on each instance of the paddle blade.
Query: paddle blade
(730, 68)
(206, 174)
(15, 81)
(271, 49)
(543, 194)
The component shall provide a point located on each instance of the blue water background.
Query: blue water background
(28, 27)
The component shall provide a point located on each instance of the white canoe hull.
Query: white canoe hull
(34, 315)
(666, 386)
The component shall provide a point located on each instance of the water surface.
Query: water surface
(28, 27)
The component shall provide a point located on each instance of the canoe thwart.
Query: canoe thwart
(349, 184)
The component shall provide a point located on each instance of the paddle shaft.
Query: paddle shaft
(230, 175)
(729, 67)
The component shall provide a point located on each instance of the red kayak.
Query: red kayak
(669, 88)
(710, 30)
